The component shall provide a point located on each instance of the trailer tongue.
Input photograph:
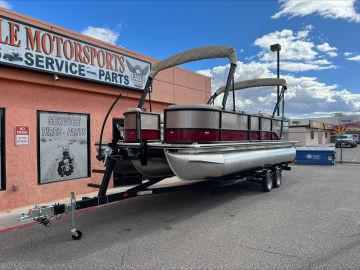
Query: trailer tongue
(204, 145)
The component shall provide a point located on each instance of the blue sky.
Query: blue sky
(315, 36)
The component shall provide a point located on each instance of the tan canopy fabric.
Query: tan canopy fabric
(195, 54)
(253, 83)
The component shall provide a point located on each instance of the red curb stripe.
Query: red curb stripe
(13, 228)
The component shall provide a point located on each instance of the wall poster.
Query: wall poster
(2, 149)
(63, 146)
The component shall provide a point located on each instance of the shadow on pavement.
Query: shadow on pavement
(117, 223)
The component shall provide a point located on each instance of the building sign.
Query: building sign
(27, 46)
(345, 121)
(63, 142)
(21, 135)
(2, 150)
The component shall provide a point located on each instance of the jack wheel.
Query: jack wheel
(277, 177)
(78, 236)
(267, 181)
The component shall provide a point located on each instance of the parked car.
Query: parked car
(345, 140)
(13, 56)
(356, 138)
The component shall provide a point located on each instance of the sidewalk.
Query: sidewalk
(9, 220)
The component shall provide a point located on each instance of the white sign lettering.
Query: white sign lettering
(27, 46)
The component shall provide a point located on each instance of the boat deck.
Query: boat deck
(161, 145)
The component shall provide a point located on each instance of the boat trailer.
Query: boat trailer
(45, 214)
(268, 176)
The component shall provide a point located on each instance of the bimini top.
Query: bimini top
(252, 83)
(195, 54)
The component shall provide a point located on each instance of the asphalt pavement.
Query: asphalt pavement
(311, 221)
(349, 154)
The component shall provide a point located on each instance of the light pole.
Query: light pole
(277, 48)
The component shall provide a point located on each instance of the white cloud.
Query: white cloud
(300, 67)
(298, 52)
(354, 58)
(305, 95)
(332, 54)
(326, 48)
(104, 34)
(320, 62)
(294, 45)
(5, 4)
(348, 53)
(333, 9)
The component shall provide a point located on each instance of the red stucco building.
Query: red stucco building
(52, 79)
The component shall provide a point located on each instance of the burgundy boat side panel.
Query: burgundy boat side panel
(146, 134)
(274, 136)
(266, 135)
(192, 135)
(150, 134)
(130, 135)
(234, 135)
(255, 135)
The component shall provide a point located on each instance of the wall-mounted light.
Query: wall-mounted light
(56, 77)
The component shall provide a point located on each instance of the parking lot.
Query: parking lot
(311, 221)
(349, 154)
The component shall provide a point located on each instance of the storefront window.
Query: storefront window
(2, 149)
(63, 146)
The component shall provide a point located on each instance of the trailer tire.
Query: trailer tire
(267, 181)
(78, 236)
(277, 177)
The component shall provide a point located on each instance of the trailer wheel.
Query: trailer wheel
(277, 177)
(267, 181)
(78, 236)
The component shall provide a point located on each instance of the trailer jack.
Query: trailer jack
(45, 214)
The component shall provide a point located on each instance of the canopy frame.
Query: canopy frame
(242, 85)
(200, 53)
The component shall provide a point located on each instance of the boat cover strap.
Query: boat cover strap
(253, 83)
(195, 54)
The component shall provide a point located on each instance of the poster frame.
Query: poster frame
(38, 112)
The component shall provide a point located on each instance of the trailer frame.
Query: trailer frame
(45, 214)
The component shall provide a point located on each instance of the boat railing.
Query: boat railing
(211, 124)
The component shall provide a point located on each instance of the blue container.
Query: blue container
(315, 155)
